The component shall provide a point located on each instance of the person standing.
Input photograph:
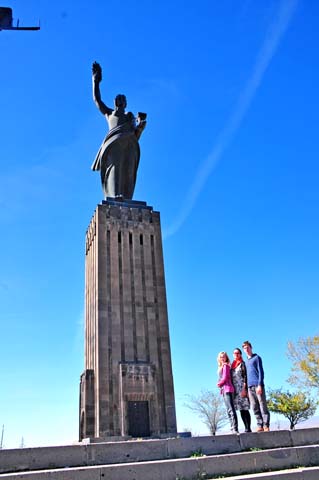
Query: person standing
(239, 379)
(227, 389)
(256, 388)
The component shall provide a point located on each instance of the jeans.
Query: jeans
(259, 405)
(231, 412)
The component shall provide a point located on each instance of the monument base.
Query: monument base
(126, 390)
(162, 436)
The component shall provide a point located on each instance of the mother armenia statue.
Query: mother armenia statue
(119, 154)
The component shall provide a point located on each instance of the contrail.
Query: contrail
(272, 40)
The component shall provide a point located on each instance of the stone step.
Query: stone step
(301, 473)
(24, 459)
(199, 468)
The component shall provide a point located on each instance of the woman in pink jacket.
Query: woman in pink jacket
(227, 389)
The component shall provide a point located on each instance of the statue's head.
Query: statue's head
(120, 101)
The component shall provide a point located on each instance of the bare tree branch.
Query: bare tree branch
(209, 407)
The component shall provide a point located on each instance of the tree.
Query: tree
(209, 406)
(304, 355)
(296, 407)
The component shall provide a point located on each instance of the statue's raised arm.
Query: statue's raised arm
(119, 154)
(97, 72)
(96, 80)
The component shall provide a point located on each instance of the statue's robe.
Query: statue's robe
(117, 160)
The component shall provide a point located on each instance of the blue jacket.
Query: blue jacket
(255, 371)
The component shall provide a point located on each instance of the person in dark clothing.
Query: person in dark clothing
(256, 388)
(239, 379)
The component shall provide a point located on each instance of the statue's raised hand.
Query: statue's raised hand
(97, 72)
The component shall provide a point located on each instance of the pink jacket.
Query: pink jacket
(225, 383)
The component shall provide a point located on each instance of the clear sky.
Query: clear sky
(229, 158)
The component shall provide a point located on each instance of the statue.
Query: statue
(119, 154)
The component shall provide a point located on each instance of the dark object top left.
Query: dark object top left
(119, 154)
(6, 21)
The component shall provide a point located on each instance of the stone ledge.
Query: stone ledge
(27, 459)
(186, 469)
(306, 473)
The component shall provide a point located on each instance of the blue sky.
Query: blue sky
(229, 158)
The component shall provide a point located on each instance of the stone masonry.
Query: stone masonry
(127, 387)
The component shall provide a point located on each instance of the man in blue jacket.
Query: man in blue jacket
(256, 388)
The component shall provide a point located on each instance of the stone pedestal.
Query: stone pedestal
(127, 386)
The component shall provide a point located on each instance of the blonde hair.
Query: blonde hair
(221, 363)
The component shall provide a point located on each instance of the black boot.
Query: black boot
(245, 415)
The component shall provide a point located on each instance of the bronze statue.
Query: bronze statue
(119, 154)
